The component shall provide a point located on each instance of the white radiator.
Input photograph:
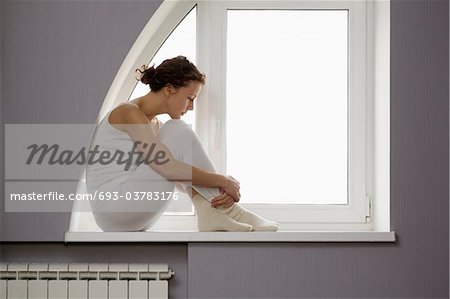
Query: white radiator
(99, 281)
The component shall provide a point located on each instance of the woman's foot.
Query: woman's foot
(243, 215)
(211, 219)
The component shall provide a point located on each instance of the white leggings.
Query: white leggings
(137, 215)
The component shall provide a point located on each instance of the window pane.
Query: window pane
(287, 105)
(182, 41)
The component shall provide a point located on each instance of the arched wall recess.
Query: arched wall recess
(159, 27)
(368, 45)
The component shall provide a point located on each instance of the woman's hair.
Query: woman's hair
(177, 71)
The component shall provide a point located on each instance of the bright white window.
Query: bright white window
(296, 104)
(286, 102)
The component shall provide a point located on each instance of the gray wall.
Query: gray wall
(58, 59)
(1, 121)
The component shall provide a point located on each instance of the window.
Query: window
(286, 99)
(296, 104)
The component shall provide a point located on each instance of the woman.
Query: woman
(173, 153)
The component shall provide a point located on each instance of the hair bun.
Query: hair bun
(145, 74)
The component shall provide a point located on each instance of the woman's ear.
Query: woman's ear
(169, 90)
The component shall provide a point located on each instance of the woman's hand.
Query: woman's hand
(224, 200)
(231, 186)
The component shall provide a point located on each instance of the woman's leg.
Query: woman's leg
(134, 205)
(185, 146)
(139, 203)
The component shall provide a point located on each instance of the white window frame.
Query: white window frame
(212, 24)
(368, 119)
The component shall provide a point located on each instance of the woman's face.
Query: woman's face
(181, 100)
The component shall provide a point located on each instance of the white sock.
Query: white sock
(210, 219)
(243, 215)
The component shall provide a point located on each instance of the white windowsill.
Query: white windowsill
(195, 236)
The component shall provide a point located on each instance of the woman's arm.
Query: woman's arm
(136, 124)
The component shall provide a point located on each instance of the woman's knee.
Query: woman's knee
(180, 139)
(175, 128)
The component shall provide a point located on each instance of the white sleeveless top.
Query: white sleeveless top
(110, 176)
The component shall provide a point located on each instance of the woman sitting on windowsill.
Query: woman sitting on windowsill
(173, 154)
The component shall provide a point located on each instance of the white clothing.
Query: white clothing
(108, 138)
(131, 215)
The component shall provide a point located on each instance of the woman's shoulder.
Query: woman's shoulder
(128, 113)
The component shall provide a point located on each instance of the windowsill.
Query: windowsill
(195, 236)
